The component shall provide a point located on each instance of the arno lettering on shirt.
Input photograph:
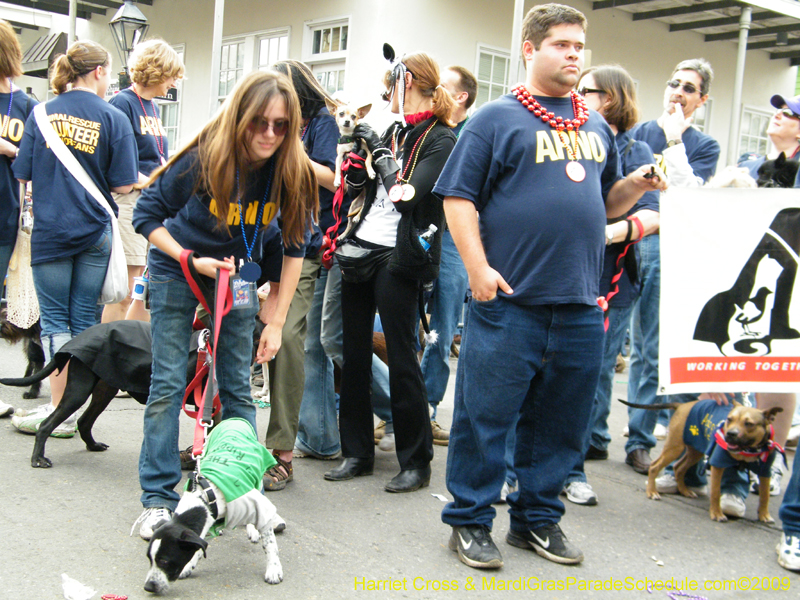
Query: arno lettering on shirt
(81, 134)
(587, 146)
(251, 213)
(150, 126)
(11, 130)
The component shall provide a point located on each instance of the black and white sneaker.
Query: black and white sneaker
(475, 547)
(547, 541)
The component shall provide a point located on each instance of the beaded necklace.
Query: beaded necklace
(403, 190)
(159, 137)
(575, 170)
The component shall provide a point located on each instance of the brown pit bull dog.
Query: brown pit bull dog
(730, 435)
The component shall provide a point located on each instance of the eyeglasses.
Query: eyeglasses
(584, 90)
(260, 125)
(788, 112)
(689, 88)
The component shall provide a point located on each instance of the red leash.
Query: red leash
(207, 402)
(329, 241)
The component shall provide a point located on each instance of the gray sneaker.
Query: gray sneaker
(580, 492)
(149, 521)
(547, 541)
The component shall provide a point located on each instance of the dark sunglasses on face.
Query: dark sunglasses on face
(687, 87)
(260, 125)
(788, 112)
(584, 90)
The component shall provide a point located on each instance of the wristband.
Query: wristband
(635, 219)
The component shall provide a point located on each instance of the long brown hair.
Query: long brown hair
(222, 147)
(81, 59)
(426, 77)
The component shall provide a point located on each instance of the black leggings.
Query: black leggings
(396, 299)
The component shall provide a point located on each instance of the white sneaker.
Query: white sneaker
(28, 421)
(794, 435)
(506, 490)
(660, 432)
(386, 443)
(732, 505)
(775, 477)
(580, 492)
(789, 552)
(5, 409)
(626, 431)
(666, 484)
(149, 521)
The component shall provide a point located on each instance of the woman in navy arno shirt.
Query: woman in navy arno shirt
(154, 68)
(15, 106)
(71, 240)
(248, 160)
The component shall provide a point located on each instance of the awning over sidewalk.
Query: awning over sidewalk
(37, 59)
(774, 26)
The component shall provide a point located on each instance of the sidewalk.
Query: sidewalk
(352, 539)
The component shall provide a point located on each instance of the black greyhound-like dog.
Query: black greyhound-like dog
(102, 360)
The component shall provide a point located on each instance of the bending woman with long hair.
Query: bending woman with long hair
(248, 160)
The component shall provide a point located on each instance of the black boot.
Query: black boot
(350, 467)
(410, 480)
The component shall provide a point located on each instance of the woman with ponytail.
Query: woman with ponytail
(400, 223)
(71, 239)
(248, 160)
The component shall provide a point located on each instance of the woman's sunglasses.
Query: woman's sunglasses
(260, 125)
(687, 87)
(584, 90)
(788, 112)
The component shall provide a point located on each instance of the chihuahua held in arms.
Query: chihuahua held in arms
(347, 118)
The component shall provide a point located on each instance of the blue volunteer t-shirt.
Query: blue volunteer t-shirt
(147, 129)
(543, 232)
(632, 156)
(188, 214)
(67, 218)
(702, 150)
(11, 129)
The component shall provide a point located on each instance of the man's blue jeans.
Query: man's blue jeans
(68, 289)
(318, 432)
(643, 378)
(445, 308)
(172, 307)
(541, 363)
(597, 435)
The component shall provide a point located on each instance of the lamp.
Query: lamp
(782, 39)
(128, 26)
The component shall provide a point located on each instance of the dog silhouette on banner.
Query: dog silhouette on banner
(747, 317)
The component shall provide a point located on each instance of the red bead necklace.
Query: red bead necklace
(575, 170)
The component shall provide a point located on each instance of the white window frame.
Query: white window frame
(493, 51)
(252, 44)
(706, 110)
(173, 146)
(310, 27)
(762, 136)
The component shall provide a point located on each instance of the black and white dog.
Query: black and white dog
(235, 460)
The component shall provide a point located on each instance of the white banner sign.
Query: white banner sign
(730, 303)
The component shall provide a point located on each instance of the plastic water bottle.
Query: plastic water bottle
(426, 238)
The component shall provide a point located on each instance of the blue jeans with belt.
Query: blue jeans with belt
(538, 363)
(68, 289)
(172, 307)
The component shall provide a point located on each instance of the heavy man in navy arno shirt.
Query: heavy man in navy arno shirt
(533, 338)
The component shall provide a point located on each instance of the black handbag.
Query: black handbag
(358, 264)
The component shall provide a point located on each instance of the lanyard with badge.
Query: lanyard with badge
(243, 285)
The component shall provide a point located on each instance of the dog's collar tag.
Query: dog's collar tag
(244, 293)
